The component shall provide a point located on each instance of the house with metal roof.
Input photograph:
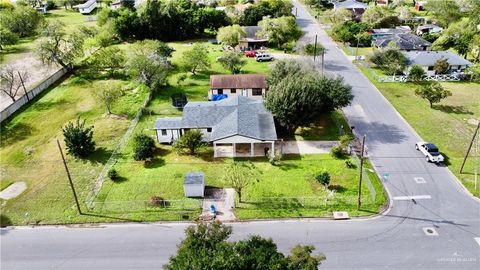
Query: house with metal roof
(429, 29)
(404, 41)
(252, 39)
(237, 126)
(357, 8)
(384, 32)
(427, 60)
(248, 85)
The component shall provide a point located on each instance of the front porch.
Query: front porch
(252, 149)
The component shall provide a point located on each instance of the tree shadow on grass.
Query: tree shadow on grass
(452, 109)
(5, 221)
(46, 105)
(101, 155)
(11, 133)
(154, 163)
(337, 188)
(120, 179)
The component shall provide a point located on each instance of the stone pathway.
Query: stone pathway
(13, 190)
(307, 147)
(224, 201)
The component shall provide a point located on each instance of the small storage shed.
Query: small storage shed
(194, 184)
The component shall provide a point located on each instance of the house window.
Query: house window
(233, 91)
(220, 91)
(257, 91)
(209, 129)
(164, 132)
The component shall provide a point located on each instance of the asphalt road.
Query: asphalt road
(395, 240)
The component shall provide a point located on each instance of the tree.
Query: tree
(444, 11)
(196, 58)
(390, 59)
(280, 31)
(301, 258)
(55, 46)
(374, 15)
(192, 140)
(416, 73)
(441, 66)
(474, 72)
(232, 61)
(403, 13)
(301, 98)
(147, 64)
(459, 36)
(21, 20)
(144, 147)
(10, 81)
(206, 247)
(239, 175)
(107, 59)
(433, 92)
(283, 68)
(7, 38)
(78, 139)
(230, 35)
(312, 50)
(340, 15)
(108, 93)
(348, 32)
(106, 35)
(265, 8)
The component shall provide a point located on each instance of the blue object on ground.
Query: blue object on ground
(219, 97)
(213, 209)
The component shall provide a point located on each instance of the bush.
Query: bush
(78, 139)
(144, 147)
(323, 178)
(352, 32)
(416, 73)
(349, 164)
(113, 174)
(337, 151)
(390, 59)
(51, 4)
(157, 201)
(192, 141)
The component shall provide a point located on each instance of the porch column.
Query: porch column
(214, 149)
(252, 150)
(234, 149)
(272, 153)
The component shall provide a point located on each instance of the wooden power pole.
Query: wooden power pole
(470, 146)
(359, 201)
(69, 178)
(23, 85)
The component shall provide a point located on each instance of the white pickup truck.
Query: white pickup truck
(431, 152)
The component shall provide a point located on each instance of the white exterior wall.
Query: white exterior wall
(174, 134)
(194, 190)
(243, 92)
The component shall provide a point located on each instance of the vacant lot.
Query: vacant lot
(449, 124)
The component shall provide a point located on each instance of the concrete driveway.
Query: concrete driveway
(306, 147)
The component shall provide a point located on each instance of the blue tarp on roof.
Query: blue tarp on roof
(219, 97)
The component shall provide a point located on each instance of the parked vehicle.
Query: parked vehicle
(260, 57)
(251, 53)
(431, 152)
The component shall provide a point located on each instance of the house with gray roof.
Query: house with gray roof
(427, 60)
(384, 32)
(404, 41)
(237, 126)
(357, 8)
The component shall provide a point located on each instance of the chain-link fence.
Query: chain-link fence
(116, 207)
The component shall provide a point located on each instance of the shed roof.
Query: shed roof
(238, 81)
(194, 178)
(428, 58)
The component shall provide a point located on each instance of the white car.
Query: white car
(260, 57)
(431, 152)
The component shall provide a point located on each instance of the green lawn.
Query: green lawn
(449, 124)
(29, 153)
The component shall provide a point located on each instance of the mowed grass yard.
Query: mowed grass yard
(449, 124)
(29, 152)
(163, 176)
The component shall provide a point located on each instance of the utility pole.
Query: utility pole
(470, 146)
(315, 50)
(323, 59)
(24, 89)
(69, 179)
(296, 12)
(361, 174)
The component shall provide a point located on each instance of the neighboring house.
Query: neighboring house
(405, 42)
(252, 39)
(237, 126)
(357, 8)
(87, 7)
(429, 29)
(247, 85)
(118, 4)
(420, 5)
(382, 2)
(427, 59)
(384, 32)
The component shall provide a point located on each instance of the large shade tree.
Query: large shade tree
(230, 35)
(303, 96)
(280, 31)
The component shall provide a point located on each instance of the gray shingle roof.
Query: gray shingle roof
(428, 58)
(404, 41)
(236, 115)
(194, 178)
